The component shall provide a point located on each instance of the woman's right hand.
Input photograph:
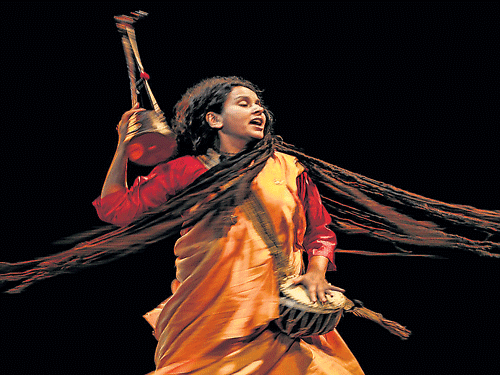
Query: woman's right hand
(122, 126)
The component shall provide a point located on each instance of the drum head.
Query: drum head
(151, 148)
(299, 294)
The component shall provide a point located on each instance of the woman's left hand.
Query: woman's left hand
(315, 282)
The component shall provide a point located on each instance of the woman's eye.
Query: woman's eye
(243, 104)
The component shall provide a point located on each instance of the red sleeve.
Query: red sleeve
(164, 181)
(318, 239)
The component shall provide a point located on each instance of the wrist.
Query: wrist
(318, 264)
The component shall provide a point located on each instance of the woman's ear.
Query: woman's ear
(214, 120)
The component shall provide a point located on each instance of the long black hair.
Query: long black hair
(402, 223)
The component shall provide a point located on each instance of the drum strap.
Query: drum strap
(258, 215)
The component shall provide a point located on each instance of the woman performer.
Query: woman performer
(225, 295)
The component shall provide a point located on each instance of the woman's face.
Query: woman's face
(242, 120)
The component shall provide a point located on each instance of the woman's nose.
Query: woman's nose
(258, 109)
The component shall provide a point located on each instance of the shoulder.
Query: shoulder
(290, 162)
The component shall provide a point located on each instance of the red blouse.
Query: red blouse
(167, 179)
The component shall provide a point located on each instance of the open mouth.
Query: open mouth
(257, 121)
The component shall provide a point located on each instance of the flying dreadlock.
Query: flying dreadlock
(400, 222)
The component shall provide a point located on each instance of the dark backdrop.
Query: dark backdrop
(405, 93)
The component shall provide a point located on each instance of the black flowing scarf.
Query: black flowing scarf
(378, 218)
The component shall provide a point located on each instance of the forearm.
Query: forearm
(116, 178)
(319, 239)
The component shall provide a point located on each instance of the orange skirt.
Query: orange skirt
(272, 353)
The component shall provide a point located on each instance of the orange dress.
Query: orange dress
(216, 321)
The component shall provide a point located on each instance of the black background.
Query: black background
(405, 93)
